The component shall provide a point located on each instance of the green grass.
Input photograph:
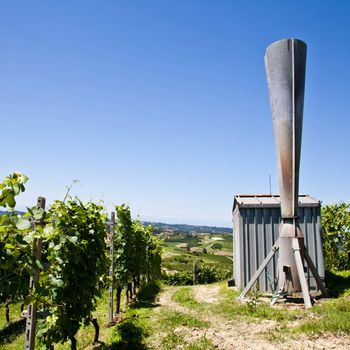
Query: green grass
(230, 308)
(147, 327)
(173, 341)
(12, 336)
(216, 259)
(331, 316)
(202, 343)
(11, 333)
(169, 319)
(15, 312)
(184, 296)
(233, 310)
(165, 322)
(171, 244)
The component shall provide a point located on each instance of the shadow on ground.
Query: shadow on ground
(337, 283)
(131, 337)
(11, 331)
(132, 332)
(147, 295)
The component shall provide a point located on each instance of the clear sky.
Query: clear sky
(164, 104)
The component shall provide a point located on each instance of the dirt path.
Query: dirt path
(165, 300)
(206, 293)
(234, 334)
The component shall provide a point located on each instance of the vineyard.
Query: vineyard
(72, 277)
(58, 262)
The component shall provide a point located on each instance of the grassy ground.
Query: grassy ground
(224, 321)
(208, 317)
(11, 333)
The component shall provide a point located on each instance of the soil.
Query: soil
(224, 253)
(236, 334)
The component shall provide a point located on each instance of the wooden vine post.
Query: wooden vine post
(111, 269)
(194, 277)
(34, 278)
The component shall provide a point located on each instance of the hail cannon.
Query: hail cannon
(285, 63)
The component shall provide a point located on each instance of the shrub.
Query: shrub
(204, 274)
(178, 278)
(336, 236)
(217, 246)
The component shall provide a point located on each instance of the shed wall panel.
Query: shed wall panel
(257, 229)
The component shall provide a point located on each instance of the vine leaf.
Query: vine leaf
(23, 224)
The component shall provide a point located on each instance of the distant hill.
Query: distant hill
(16, 212)
(159, 226)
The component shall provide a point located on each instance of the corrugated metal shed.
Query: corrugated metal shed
(256, 220)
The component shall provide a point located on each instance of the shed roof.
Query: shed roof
(270, 201)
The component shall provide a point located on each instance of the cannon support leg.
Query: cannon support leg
(314, 272)
(258, 272)
(301, 273)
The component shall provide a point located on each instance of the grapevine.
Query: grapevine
(75, 250)
(73, 267)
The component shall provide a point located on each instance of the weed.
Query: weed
(254, 299)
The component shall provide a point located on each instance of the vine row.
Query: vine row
(77, 251)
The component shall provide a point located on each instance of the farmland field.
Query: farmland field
(182, 250)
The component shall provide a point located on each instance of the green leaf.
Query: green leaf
(57, 247)
(9, 246)
(73, 239)
(48, 231)
(38, 213)
(57, 282)
(39, 264)
(23, 224)
(7, 198)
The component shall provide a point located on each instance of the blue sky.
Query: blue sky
(164, 104)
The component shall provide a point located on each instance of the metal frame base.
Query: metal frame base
(299, 263)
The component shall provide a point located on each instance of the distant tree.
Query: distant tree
(217, 246)
(336, 236)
